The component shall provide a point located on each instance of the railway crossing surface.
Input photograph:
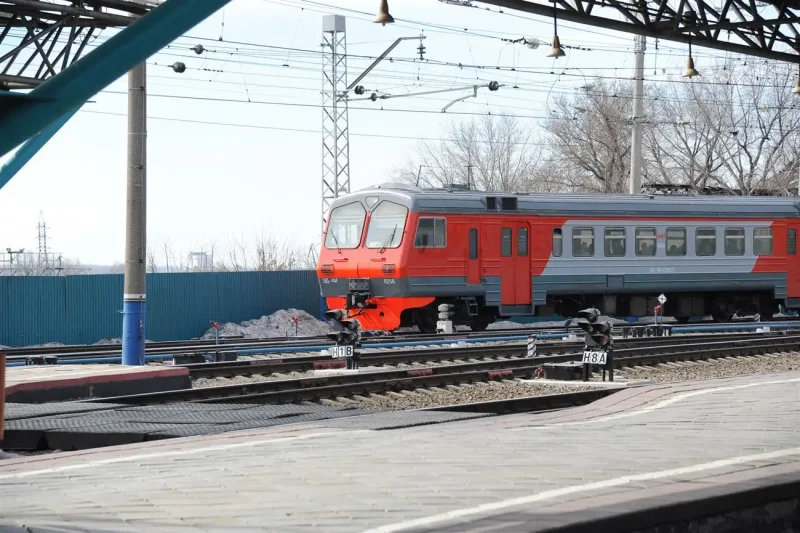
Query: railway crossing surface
(640, 448)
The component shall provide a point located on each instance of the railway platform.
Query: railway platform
(635, 457)
(55, 383)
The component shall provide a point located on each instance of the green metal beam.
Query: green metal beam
(30, 148)
(23, 116)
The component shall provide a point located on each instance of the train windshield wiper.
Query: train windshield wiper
(388, 240)
(336, 241)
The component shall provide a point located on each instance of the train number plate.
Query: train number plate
(594, 357)
(360, 285)
(341, 352)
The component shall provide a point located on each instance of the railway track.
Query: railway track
(229, 345)
(242, 346)
(321, 362)
(380, 381)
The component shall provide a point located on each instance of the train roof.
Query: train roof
(585, 205)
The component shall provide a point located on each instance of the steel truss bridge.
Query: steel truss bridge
(763, 29)
(49, 37)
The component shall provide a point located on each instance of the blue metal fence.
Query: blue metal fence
(85, 309)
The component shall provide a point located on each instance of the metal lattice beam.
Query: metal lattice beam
(335, 126)
(56, 33)
(764, 29)
(23, 116)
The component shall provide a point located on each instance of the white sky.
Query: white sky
(215, 183)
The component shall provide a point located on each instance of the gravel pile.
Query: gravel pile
(467, 393)
(718, 368)
(278, 324)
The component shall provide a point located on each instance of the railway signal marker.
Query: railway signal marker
(662, 299)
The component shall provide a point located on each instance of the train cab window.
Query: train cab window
(791, 242)
(734, 241)
(386, 225)
(646, 242)
(762, 241)
(345, 227)
(505, 241)
(431, 233)
(473, 244)
(676, 241)
(558, 242)
(614, 242)
(583, 242)
(705, 242)
(522, 242)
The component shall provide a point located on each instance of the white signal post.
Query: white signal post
(661, 301)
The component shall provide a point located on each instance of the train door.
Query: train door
(515, 271)
(473, 256)
(522, 270)
(792, 261)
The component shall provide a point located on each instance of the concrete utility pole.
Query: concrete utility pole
(133, 310)
(636, 130)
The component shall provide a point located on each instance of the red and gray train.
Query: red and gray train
(393, 253)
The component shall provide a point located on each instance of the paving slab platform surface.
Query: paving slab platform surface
(45, 383)
(484, 474)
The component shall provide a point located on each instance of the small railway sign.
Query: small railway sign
(595, 357)
(662, 299)
(342, 351)
(532, 346)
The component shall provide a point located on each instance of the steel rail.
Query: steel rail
(314, 362)
(232, 344)
(209, 346)
(362, 383)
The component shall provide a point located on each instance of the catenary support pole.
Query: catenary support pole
(636, 130)
(134, 299)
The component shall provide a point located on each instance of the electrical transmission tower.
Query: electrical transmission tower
(42, 230)
(335, 128)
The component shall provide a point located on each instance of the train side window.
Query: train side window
(522, 242)
(762, 241)
(558, 242)
(646, 242)
(734, 241)
(583, 242)
(791, 242)
(676, 241)
(614, 242)
(431, 232)
(473, 244)
(505, 242)
(705, 242)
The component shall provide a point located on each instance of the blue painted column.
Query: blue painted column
(135, 296)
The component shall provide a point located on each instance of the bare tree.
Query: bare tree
(738, 130)
(490, 153)
(592, 137)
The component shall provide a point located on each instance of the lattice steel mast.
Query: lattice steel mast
(335, 125)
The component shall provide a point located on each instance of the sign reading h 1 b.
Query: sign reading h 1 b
(594, 357)
(341, 352)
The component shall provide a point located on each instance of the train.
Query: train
(393, 253)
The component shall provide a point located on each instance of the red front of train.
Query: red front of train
(363, 263)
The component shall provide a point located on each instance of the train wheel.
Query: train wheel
(719, 316)
(479, 324)
(426, 322)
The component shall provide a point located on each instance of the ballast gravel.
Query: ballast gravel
(466, 393)
(480, 392)
(715, 368)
